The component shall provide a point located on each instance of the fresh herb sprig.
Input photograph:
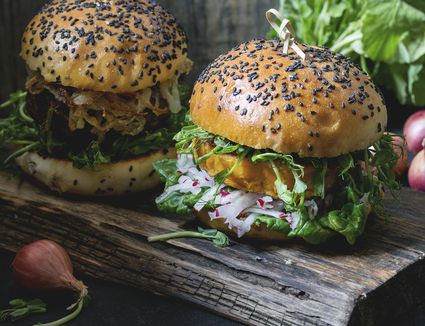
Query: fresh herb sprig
(219, 239)
(20, 308)
(17, 129)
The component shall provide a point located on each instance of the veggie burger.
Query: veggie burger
(278, 147)
(103, 93)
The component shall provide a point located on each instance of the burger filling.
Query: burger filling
(92, 128)
(308, 209)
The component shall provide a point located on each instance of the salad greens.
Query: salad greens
(19, 134)
(363, 176)
(387, 38)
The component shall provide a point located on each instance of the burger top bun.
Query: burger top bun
(257, 96)
(118, 46)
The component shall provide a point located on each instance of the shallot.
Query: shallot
(417, 170)
(399, 146)
(45, 265)
(414, 130)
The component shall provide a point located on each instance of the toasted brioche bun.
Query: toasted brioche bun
(254, 95)
(113, 46)
(260, 232)
(258, 177)
(112, 179)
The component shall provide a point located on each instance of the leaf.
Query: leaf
(92, 157)
(319, 178)
(179, 203)
(221, 240)
(167, 171)
(220, 177)
(17, 302)
(349, 221)
(274, 224)
(415, 85)
(310, 230)
(283, 192)
(346, 163)
(398, 74)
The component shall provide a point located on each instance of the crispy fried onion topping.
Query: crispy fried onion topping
(124, 113)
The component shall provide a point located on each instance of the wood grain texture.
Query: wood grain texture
(212, 26)
(257, 284)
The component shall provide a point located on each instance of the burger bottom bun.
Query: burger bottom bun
(257, 232)
(112, 179)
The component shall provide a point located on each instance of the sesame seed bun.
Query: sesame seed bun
(260, 177)
(254, 95)
(114, 46)
(112, 179)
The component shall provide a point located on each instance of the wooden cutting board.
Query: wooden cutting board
(257, 284)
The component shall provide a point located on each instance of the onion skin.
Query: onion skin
(414, 131)
(417, 172)
(400, 147)
(45, 265)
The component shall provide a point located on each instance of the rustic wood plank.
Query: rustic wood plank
(257, 284)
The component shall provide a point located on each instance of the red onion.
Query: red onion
(414, 130)
(417, 171)
(45, 265)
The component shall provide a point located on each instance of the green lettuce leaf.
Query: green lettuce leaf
(179, 203)
(274, 224)
(319, 177)
(310, 230)
(175, 202)
(349, 221)
(167, 171)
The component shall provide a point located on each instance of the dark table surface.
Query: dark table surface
(110, 305)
